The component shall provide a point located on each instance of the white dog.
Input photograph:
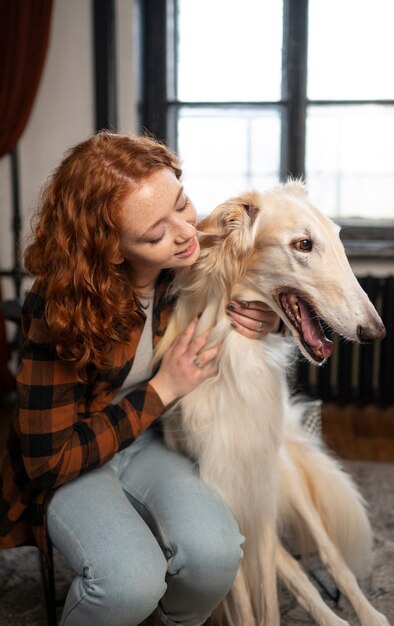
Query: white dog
(241, 426)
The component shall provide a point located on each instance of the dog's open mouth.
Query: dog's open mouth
(307, 324)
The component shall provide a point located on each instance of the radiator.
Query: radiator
(362, 374)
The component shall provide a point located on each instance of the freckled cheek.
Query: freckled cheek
(161, 255)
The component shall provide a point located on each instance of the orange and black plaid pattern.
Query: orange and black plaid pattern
(64, 427)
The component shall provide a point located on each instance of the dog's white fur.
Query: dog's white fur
(242, 427)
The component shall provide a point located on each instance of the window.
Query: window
(350, 118)
(227, 100)
(258, 90)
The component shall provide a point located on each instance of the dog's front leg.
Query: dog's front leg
(267, 552)
(307, 595)
(339, 570)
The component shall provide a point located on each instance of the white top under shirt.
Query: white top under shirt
(141, 370)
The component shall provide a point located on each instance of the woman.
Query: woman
(85, 462)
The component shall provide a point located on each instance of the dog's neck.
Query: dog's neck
(206, 289)
(209, 298)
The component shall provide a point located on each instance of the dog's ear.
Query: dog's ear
(235, 219)
(231, 221)
(208, 225)
(239, 213)
(252, 211)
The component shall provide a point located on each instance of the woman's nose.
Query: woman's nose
(186, 231)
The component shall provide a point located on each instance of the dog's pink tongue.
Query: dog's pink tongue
(313, 332)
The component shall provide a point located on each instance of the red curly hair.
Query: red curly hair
(88, 296)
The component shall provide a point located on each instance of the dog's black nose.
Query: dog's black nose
(371, 333)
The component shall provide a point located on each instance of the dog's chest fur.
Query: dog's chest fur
(232, 424)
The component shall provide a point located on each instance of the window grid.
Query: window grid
(159, 107)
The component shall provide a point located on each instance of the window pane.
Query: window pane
(227, 151)
(350, 50)
(350, 160)
(229, 50)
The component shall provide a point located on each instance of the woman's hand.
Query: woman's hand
(185, 365)
(253, 319)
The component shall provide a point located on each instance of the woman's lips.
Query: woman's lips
(189, 250)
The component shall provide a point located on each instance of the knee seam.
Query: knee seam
(163, 541)
(59, 522)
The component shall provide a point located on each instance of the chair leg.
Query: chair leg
(48, 578)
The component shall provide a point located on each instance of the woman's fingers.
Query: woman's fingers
(201, 359)
(197, 343)
(251, 305)
(253, 319)
(188, 342)
(185, 365)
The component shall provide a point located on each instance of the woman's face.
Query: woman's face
(158, 227)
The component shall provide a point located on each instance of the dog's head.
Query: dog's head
(279, 248)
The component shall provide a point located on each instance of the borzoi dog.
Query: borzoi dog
(241, 426)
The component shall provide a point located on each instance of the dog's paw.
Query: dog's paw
(382, 620)
(377, 619)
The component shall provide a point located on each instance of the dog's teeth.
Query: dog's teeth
(293, 307)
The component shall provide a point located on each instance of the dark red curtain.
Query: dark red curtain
(24, 35)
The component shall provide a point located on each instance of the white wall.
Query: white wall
(63, 112)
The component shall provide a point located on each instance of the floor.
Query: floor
(360, 433)
(357, 434)
(21, 598)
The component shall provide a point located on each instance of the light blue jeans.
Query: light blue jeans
(143, 531)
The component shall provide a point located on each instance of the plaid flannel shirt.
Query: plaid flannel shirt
(64, 427)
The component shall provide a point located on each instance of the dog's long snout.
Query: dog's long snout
(368, 334)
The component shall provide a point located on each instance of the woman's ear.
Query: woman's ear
(119, 259)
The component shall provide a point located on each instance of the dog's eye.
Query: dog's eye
(304, 245)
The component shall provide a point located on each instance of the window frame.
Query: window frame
(158, 105)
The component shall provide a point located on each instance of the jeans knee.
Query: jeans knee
(127, 595)
(135, 594)
(210, 561)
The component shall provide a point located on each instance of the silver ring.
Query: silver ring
(197, 362)
(260, 327)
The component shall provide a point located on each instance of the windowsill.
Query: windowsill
(372, 240)
(369, 249)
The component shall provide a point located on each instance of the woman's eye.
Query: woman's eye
(184, 206)
(304, 245)
(155, 241)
